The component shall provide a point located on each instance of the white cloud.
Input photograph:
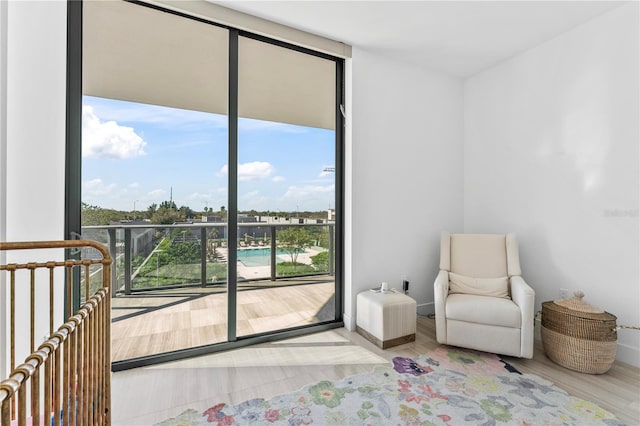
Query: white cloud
(250, 195)
(157, 193)
(198, 196)
(108, 139)
(308, 191)
(134, 185)
(211, 197)
(253, 200)
(278, 179)
(96, 187)
(255, 170)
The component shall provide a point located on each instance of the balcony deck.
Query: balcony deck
(170, 319)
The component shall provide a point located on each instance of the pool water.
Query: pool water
(259, 256)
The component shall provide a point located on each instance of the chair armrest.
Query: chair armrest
(524, 296)
(521, 294)
(440, 293)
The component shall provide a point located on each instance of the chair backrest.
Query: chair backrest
(480, 255)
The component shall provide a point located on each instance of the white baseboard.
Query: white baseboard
(349, 322)
(628, 355)
(425, 309)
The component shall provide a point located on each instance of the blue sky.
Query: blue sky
(136, 153)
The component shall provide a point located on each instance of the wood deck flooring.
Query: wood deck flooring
(167, 320)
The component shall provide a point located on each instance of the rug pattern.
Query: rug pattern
(448, 387)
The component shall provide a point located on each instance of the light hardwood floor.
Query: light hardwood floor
(151, 394)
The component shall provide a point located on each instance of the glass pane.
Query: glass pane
(170, 246)
(155, 145)
(286, 190)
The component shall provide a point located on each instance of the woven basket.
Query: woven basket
(578, 336)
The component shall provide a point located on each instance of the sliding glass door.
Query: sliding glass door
(211, 163)
(286, 187)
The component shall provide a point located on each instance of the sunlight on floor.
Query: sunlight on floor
(318, 349)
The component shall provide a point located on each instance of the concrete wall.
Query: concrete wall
(551, 153)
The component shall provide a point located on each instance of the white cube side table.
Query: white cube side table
(386, 319)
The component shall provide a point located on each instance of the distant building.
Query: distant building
(287, 220)
(212, 219)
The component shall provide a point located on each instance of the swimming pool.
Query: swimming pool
(259, 256)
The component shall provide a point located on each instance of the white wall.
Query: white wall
(32, 138)
(551, 153)
(404, 176)
(3, 179)
(3, 119)
(36, 99)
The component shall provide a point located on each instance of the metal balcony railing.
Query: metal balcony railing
(136, 247)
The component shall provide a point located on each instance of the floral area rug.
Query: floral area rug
(447, 387)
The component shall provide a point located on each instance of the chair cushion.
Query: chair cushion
(483, 310)
(478, 255)
(495, 287)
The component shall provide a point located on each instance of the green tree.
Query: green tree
(181, 253)
(94, 215)
(294, 240)
(151, 210)
(321, 261)
(167, 216)
(186, 212)
(168, 205)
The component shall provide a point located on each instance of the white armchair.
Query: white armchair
(481, 301)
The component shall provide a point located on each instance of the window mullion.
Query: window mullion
(232, 211)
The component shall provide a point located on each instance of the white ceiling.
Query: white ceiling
(458, 37)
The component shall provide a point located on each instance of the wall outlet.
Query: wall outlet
(405, 284)
(564, 293)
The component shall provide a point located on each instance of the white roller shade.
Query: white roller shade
(285, 86)
(139, 54)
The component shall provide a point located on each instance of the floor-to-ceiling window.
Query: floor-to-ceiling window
(286, 186)
(210, 165)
